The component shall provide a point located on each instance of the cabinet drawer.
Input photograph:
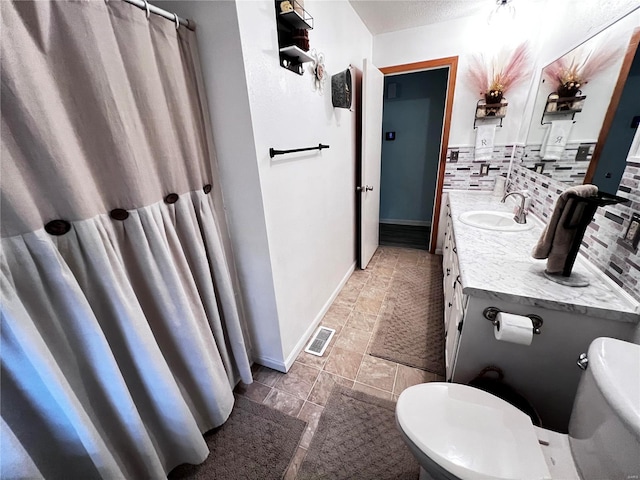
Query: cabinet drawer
(452, 332)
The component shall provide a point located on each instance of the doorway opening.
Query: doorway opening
(412, 124)
(418, 101)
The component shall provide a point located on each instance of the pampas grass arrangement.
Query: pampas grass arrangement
(493, 79)
(573, 70)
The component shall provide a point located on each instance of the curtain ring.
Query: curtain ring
(177, 20)
(146, 7)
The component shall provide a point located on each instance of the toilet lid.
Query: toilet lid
(471, 433)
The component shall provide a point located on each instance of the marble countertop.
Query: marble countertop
(498, 265)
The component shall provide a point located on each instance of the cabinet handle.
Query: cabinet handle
(460, 327)
(450, 304)
(455, 250)
(448, 272)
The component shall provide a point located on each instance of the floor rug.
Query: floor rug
(411, 328)
(357, 438)
(256, 442)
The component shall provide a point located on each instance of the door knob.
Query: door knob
(366, 188)
(583, 361)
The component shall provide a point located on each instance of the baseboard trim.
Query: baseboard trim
(412, 223)
(271, 363)
(312, 328)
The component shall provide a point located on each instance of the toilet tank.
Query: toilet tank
(604, 430)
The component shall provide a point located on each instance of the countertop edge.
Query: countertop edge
(632, 315)
(617, 315)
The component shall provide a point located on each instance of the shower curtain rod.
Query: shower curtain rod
(163, 13)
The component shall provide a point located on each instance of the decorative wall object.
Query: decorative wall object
(495, 77)
(341, 89)
(317, 70)
(570, 72)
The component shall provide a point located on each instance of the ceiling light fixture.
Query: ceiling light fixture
(503, 12)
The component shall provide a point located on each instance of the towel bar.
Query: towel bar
(273, 152)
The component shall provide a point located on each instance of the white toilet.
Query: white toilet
(460, 432)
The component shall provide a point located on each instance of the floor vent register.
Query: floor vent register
(320, 341)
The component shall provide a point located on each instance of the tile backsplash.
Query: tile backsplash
(570, 168)
(602, 243)
(463, 173)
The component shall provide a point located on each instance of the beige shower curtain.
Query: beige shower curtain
(121, 337)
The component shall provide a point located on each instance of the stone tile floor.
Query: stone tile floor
(354, 314)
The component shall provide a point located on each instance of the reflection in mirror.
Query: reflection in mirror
(616, 144)
(571, 122)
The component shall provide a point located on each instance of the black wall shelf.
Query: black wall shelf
(490, 111)
(294, 19)
(293, 41)
(559, 106)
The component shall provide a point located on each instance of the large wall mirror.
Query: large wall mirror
(583, 132)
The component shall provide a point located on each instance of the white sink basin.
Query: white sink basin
(490, 220)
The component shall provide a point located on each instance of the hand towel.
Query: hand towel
(556, 140)
(485, 136)
(555, 241)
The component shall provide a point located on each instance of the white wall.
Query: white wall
(551, 28)
(309, 198)
(463, 38)
(224, 73)
(292, 218)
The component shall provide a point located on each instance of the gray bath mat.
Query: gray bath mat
(411, 328)
(256, 442)
(357, 438)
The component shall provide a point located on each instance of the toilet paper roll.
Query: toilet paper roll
(513, 328)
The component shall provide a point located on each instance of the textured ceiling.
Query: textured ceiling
(381, 16)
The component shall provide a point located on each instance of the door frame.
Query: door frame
(613, 105)
(452, 64)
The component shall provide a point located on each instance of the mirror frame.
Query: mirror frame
(613, 105)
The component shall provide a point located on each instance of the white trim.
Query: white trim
(284, 367)
(271, 363)
(415, 223)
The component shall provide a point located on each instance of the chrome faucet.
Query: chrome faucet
(521, 213)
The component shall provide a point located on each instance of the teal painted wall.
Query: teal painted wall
(613, 159)
(410, 162)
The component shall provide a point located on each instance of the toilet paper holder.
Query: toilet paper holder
(491, 314)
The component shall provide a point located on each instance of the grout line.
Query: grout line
(374, 388)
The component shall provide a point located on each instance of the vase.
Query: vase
(569, 89)
(493, 96)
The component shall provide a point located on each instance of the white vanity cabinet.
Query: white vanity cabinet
(454, 300)
(483, 269)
